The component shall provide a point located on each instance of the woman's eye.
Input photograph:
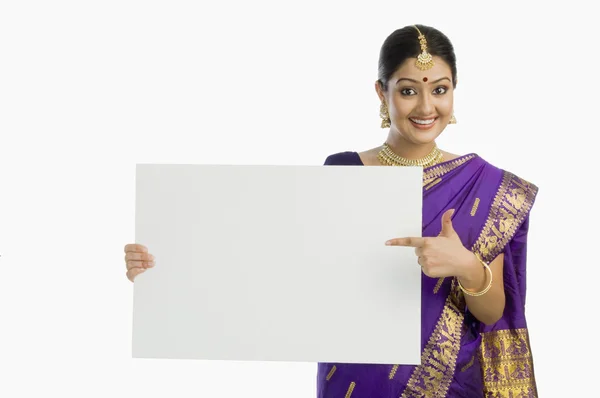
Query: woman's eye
(408, 91)
(440, 90)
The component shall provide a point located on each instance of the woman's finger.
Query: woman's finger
(410, 242)
(132, 273)
(139, 256)
(139, 264)
(135, 247)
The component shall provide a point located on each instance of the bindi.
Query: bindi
(424, 79)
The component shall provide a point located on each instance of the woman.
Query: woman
(473, 250)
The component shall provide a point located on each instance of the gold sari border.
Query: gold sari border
(507, 364)
(434, 172)
(438, 360)
(509, 209)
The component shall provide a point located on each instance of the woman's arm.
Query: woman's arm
(445, 256)
(489, 307)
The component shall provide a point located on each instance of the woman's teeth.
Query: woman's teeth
(420, 121)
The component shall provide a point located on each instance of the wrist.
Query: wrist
(473, 276)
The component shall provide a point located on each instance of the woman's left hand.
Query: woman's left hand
(444, 255)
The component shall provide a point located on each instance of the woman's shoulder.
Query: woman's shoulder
(514, 194)
(345, 158)
(352, 158)
(510, 175)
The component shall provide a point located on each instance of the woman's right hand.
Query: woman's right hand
(137, 260)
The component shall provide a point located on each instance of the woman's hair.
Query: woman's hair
(404, 43)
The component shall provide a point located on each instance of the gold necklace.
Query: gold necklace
(387, 157)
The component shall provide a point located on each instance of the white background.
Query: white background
(88, 89)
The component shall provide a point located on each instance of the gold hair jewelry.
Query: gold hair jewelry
(424, 60)
(385, 116)
(484, 291)
(452, 120)
(387, 157)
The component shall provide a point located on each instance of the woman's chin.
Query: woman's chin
(423, 138)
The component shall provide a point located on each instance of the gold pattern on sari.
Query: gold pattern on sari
(437, 171)
(506, 360)
(350, 390)
(438, 285)
(393, 372)
(510, 207)
(475, 207)
(331, 372)
(438, 360)
(469, 364)
(507, 364)
(433, 184)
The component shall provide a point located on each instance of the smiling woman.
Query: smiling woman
(472, 250)
(473, 246)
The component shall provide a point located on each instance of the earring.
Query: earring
(452, 120)
(385, 116)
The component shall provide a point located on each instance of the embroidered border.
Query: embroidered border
(437, 171)
(511, 205)
(505, 356)
(507, 364)
(438, 361)
(433, 184)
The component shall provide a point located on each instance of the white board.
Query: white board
(278, 263)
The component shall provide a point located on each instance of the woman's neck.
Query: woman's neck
(409, 150)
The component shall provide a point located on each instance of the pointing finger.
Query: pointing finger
(408, 242)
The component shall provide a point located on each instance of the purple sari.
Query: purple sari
(460, 357)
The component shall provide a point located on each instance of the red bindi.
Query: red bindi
(424, 79)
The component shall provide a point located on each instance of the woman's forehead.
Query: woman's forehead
(408, 69)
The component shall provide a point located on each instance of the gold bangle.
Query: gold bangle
(484, 291)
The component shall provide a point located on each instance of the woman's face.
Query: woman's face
(420, 103)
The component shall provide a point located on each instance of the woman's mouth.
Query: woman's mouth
(423, 124)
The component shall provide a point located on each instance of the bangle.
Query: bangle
(484, 291)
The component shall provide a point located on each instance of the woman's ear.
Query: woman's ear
(380, 92)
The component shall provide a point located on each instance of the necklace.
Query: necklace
(387, 157)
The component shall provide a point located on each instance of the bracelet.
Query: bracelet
(484, 291)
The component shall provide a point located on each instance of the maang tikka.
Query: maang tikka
(424, 60)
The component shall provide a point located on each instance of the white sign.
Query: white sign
(278, 263)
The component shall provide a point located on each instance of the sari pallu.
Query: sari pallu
(461, 357)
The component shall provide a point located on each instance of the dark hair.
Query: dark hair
(404, 43)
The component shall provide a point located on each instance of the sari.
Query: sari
(460, 356)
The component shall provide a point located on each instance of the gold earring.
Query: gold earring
(452, 120)
(385, 116)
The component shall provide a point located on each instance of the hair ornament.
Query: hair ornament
(424, 60)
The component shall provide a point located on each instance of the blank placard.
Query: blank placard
(278, 263)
